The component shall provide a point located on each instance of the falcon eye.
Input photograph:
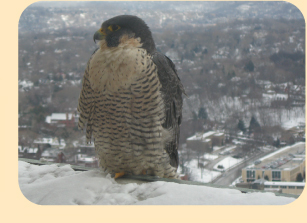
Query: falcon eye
(113, 28)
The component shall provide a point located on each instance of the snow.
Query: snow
(64, 17)
(209, 156)
(228, 150)
(25, 83)
(61, 185)
(298, 145)
(215, 148)
(32, 150)
(293, 121)
(200, 174)
(280, 183)
(275, 96)
(199, 136)
(59, 116)
(85, 158)
(227, 163)
(54, 142)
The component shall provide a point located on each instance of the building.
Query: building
(205, 142)
(285, 187)
(293, 134)
(29, 152)
(52, 154)
(44, 143)
(281, 168)
(62, 119)
(279, 187)
(283, 165)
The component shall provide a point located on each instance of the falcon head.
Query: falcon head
(129, 26)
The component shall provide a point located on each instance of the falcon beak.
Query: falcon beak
(99, 35)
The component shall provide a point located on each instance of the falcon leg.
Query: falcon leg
(117, 175)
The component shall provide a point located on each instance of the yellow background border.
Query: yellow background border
(16, 208)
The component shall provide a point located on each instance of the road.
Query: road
(231, 175)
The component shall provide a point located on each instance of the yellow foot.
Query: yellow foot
(117, 175)
(144, 172)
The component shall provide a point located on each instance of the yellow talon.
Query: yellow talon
(117, 175)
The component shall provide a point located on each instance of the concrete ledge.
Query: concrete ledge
(143, 179)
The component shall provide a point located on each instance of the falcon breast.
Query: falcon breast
(131, 101)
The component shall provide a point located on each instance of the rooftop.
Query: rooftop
(271, 183)
(285, 158)
(199, 136)
(58, 117)
(52, 141)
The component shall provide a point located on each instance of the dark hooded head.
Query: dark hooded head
(113, 29)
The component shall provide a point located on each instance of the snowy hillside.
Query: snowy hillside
(51, 184)
(226, 107)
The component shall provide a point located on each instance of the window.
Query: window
(300, 187)
(276, 175)
(274, 186)
(283, 187)
(291, 187)
(250, 174)
(267, 186)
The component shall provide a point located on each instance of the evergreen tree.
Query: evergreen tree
(299, 177)
(249, 66)
(202, 113)
(277, 143)
(253, 125)
(241, 126)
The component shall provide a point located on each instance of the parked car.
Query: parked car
(257, 162)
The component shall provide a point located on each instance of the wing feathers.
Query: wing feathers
(172, 91)
(86, 106)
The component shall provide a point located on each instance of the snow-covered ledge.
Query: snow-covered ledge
(55, 184)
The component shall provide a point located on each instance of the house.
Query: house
(205, 142)
(44, 143)
(29, 152)
(293, 135)
(62, 119)
(52, 154)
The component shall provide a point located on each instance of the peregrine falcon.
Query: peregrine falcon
(131, 101)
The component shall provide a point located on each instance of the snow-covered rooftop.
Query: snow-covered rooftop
(199, 136)
(285, 183)
(297, 145)
(58, 117)
(52, 141)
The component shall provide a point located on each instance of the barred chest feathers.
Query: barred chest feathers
(112, 68)
(129, 110)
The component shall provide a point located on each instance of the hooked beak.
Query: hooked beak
(99, 35)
